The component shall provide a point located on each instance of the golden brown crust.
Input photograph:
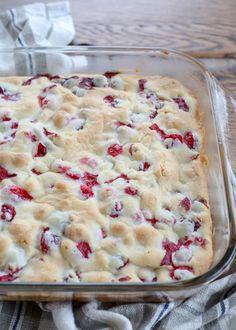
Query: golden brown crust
(102, 180)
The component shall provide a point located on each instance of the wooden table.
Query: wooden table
(204, 29)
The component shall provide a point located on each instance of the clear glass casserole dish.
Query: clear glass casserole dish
(216, 109)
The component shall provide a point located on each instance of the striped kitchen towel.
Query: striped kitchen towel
(37, 24)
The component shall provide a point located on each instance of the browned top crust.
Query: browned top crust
(101, 180)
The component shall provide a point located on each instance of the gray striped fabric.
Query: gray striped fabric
(37, 24)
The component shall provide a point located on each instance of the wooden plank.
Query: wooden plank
(202, 28)
(154, 11)
(197, 39)
(146, 11)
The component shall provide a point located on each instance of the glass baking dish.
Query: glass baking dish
(216, 110)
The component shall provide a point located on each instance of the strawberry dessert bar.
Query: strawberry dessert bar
(102, 180)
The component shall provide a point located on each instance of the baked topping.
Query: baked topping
(101, 180)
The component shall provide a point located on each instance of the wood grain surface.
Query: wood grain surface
(198, 40)
(146, 11)
(201, 28)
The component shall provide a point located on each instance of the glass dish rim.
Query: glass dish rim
(203, 279)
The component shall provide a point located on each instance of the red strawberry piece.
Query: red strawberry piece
(90, 179)
(111, 100)
(89, 162)
(153, 114)
(163, 135)
(8, 95)
(199, 241)
(48, 240)
(43, 102)
(116, 210)
(120, 123)
(41, 150)
(8, 278)
(189, 140)
(8, 212)
(28, 82)
(86, 191)
(197, 224)
(122, 176)
(5, 118)
(131, 191)
(72, 175)
(144, 167)
(110, 74)
(86, 83)
(185, 241)
(68, 172)
(4, 142)
(203, 201)
(170, 247)
(11, 276)
(174, 137)
(104, 233)
(181, 103)
(47, 75)
(31, 136)
(84, 248)
(115, 150)
(141, 84)
(156, 128)
(132, 149)
(63, 169)
(172, 272)
(153, 221)
(4, 174)
(186, 204)
(20, 192)
(48, 88)
(36, 171)
(125, 262)
(124, 279)
(13, 135)
(14, 125)
(48, 133)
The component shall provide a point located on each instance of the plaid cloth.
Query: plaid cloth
(213, 307)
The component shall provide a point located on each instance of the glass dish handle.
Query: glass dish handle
(225, 105)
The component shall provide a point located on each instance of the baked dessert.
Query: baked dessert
(102, 179)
